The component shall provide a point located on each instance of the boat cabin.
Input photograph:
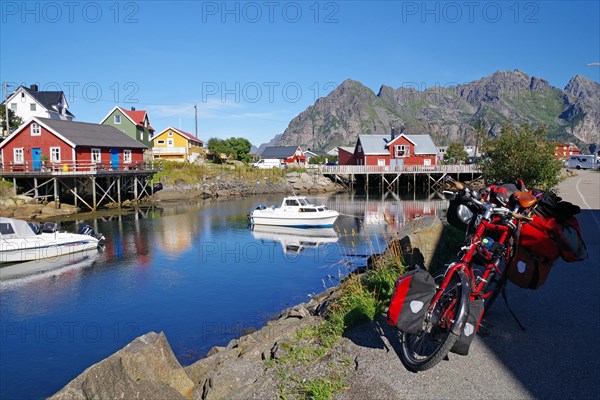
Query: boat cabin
(301, 204)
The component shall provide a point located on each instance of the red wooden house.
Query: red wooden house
(564, 150)
(44, 143)
(393, 150)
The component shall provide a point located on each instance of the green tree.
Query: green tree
(521, 152)
(13, 121)
(233, 148)
(455, 154)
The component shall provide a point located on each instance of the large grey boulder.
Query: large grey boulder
(144, 369)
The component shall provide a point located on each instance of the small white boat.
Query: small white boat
(21, 241)
(295, 240)
(295, 211)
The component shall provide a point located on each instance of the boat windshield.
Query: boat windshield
(303, 202)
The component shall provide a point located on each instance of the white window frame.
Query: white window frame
(170, 133)
(19, 155)
(96, 156)
(53, 151)
(402, 148)
(427, 162)
(359, 149)
(117, 120)
(36, 130)
(381, 162)
(126, 156)
(32, 107)
(13, 106)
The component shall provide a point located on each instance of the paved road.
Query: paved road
(557, 357)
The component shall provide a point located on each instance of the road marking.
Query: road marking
(586, 203)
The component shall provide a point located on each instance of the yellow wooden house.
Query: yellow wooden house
(176, 145)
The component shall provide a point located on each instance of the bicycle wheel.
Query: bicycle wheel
(424, 350)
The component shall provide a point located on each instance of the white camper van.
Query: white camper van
(268, 163)
(582, 162)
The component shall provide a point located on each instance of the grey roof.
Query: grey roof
(48, 99)
(316, 153)
(349, 149)
(88, 134)
(279, 152)
(376, 144)
(423, 144)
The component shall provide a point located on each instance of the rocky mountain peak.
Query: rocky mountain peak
(583, 87)
(447, 113)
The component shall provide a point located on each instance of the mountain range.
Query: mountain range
(448, 114)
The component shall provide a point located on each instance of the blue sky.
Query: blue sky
(253, 66)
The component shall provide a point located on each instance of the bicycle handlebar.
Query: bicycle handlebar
(488, 207)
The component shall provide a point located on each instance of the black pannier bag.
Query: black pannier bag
(470, 329)
(411, 297)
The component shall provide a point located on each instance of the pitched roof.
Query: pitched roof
(279, 151)
(376, 144)
(136, 116)
(48, 99)
(316, 153)
(186, 135)
(348, 149)
(88, 134)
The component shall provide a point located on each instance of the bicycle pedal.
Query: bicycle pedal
(485, 328)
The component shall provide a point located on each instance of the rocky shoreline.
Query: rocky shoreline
(27, 208)
(243, 369)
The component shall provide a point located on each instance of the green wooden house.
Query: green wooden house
(135, 123)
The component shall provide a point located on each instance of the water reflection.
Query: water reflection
(68, 264)
(295, 240)
(191, 270)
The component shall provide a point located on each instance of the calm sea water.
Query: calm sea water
(195, 272)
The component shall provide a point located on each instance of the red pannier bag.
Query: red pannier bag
(567, 236)
(411, 298)
(536, 253)
(529, 270)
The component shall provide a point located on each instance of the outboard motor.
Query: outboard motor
(86, 229)
(35, 228)
(50, 227)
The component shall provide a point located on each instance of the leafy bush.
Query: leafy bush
(524, 153)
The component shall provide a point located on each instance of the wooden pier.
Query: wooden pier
(391, 177)
(84, 184)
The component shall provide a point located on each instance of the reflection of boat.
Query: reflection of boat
(48, 266)
(20, 241)
(295, 211)
(295, 240)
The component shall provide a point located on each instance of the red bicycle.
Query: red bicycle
(469, 286)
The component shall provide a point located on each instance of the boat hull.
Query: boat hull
(44, 246)
(297, 220)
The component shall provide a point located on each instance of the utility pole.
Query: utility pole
(196, 113)
(6, 109)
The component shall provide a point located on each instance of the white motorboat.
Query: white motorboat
(295, 240)
(295, 211)
(21, 241)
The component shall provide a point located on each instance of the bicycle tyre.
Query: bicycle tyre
(426, 349)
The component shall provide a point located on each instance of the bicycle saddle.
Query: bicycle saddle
(525, 199)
